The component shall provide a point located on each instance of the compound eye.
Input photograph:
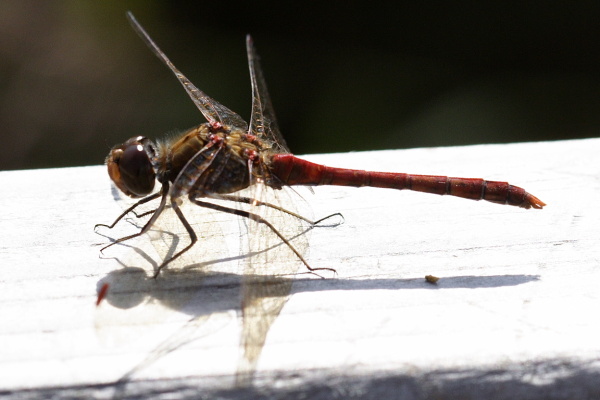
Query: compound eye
(130, 167)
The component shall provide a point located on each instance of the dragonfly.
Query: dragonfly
(227, 165)
(225, 155)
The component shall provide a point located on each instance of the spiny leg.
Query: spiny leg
(251, 201)
(190, 231)
(151, 221)
(147, 212)
(261, 220)
(130, 209)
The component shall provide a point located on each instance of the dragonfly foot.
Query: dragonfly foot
(340, 221)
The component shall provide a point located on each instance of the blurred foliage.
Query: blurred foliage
(75, 79)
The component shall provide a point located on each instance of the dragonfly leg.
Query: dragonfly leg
(249, 200)
(130, 209)
(148, 224)
(190, 231)
(260, 220)
(147, 212)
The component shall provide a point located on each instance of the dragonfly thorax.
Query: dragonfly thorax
(209, 159)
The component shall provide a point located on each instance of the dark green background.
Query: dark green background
(75, 79)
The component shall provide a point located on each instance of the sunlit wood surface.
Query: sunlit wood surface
(513, 315)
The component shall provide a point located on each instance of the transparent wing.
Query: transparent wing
(263, 122)
(273, 265)
(212, 110)
(269, 272)
(192, 305)
(202, 284)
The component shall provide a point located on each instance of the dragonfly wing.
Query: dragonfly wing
(270, 270)
(212, 110)
(144, 318)
(192, 298)
(263, 122)
(265, 290)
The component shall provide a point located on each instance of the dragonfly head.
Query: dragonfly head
(130, 166)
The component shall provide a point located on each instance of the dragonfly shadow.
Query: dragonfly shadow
(195, 292)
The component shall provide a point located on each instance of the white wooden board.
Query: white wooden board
(514, 314)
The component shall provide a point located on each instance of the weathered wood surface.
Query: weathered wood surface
(514, 314)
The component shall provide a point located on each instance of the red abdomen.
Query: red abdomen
(296, 171)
